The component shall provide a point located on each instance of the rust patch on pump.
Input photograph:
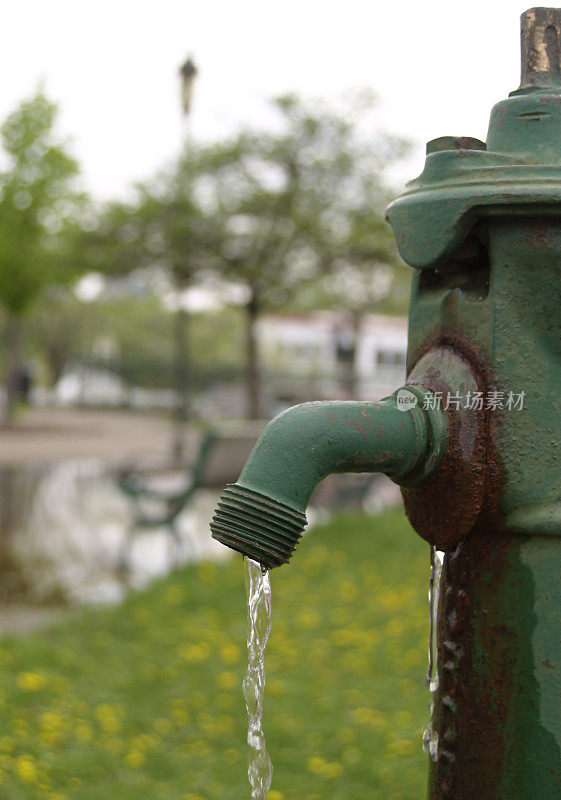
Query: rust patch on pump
(465, 490)
(494, 477)
(489, 687)
(473, 695)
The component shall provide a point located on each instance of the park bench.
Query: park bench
(218, 459)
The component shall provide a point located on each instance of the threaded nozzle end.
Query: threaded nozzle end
(257, 526)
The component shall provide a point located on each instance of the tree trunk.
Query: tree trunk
(57, 356)
(346, 345)
(353, 372)
(13, 337)
(181, 380)
(252, 358)
(13, 491)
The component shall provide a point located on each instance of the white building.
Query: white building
(311, 354)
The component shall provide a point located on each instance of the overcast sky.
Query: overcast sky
(436, 66)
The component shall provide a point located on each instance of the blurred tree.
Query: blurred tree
(56, 330)
(110, 333)
(165, 231)
(304, 203)
(38, 202)
(268, 212)
(365, 276)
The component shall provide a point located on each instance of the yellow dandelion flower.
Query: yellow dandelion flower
(228, 680)
(308, 619)
(195, 652)
(30, 681)
(110, 724)
(390, 599)
(143, 741)
(134, 759)
(26, 768)
(404, 717)
(370, 716)
(401, 747)
(230, 654)
(107, 718)
(52, 738)
(180, 716)
(332, 770)
(316, 765)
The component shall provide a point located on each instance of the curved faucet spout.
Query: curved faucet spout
(263, 514)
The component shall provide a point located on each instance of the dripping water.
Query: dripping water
(430, 735)
(258, 591)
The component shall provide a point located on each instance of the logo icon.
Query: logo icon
(406, 400)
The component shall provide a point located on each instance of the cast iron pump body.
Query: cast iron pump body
(480, 474)
(482, 226)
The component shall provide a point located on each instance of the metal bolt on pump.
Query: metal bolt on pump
(481, 479)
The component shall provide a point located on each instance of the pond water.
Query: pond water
(63, 528)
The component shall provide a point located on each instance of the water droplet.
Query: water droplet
(430, 736)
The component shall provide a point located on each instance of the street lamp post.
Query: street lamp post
(187, 72)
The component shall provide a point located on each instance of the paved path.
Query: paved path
(42, 436)
(22, 619)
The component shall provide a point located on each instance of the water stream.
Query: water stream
(258, 590)
(430, 735)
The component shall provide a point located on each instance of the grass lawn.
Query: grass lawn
(143, 701)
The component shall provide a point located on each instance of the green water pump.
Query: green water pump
(473, 438)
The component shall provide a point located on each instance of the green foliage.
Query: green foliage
(299, 203)
(139, 332)
(144, 700)
(141, 329)
(165, 229)
(359, 288)
(37, 204)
